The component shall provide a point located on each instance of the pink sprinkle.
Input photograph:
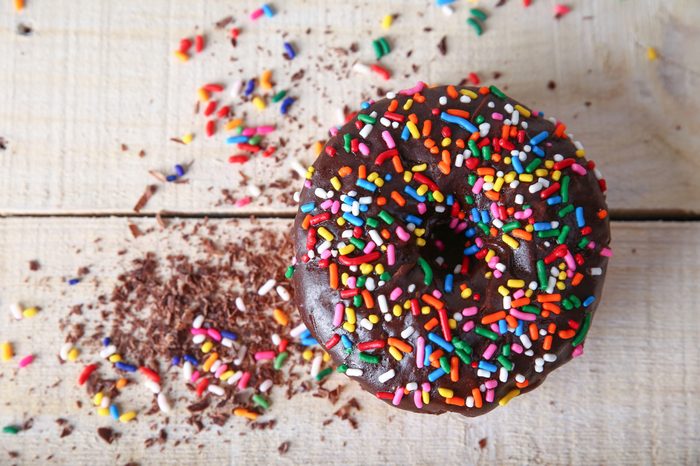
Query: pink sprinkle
(335, 208)
(195, 376)
(421, 208)
(420, 352)
(470, 311)
(516, 348)
(489, 395)
(607, 252)
(214, 334)
(326, 254)
(265, 129)
(491, 383)
(257, 14)
(494, 211)
(518, 294)
(488, 352)
(578, 351)
(369, 247)
(415, 89)
(454, 222)
(497, 273)
(495, 329)
(469, 326)
(461, 227)
(222, 368)
(25, 361)
(243, 202)
(477, 186)
(388, 139)
(479, 242)
(333, 131)
(497, 116)
(307, 183)
(364, 150)
(402, 234)
(264, 355)
(325, 205)
(248, 132)
(395, 293)
(578, 169)
(418, 399)
(243, 383)
(398, 395)
(570, 262)
(522, 315)
(352, 281)
(338, 315)
(425, 386)
(198, 331)
(391, 254)
(437, 294)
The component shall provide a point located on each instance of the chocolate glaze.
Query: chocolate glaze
(316, 300)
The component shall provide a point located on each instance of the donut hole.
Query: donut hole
(444, 248)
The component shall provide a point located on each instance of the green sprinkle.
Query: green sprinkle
(463, 345)
(477, 13)
(357, 300)
(476, 152)
(566, 210)
(361, 281)
(261, 401)
(342, 368)
(508, 365)
(445, 364)
(530, 309)
(388, 219)
(255, 140)
(289, 272)
(476, 26)
(377, 49)
(357, 242)
(10, 430)
(463, 356)
(427, 271)
(366, 119)
(542, 274)
(279, 360)
(584, 330)
(486, 333)
(385, 276)
(487, 152)
(324, 373)
(510, 226)
(548, 233)
(505, 351)
(566, 304)
(532, 166)
(279, 96)
(564, 190)
(471, 179)
(369, 358)
(372, 222)
(479, 119)
(469, 199)
(497, 92)
(574, 300)
(484, 227)
(346, 142)
(430, 197)
(584, 242)
(564, 232)
(384, 44)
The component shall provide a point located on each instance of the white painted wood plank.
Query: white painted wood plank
(633, 398)
(95, 75)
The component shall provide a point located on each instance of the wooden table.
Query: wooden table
(96, 82)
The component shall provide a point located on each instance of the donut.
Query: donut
(450, 245)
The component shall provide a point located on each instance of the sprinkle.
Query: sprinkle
(561, 10)
(289, 51)
(11, 429)
(25, 361)
(652, 54)
(6, 351)
(387, 20)
(475, 25)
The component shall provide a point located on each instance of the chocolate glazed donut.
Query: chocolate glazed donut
(450, 248)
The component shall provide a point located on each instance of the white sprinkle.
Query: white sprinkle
(227, 342)
(297, 167)
(266, 385)
(152, 385)
(519, 199)
(283, 293)
(503, 375)
(65, 349)
(320, 193)
(316, 365)
(459, 160)
(198, 321)
(364, 132)
(107, 351)
(235, 378)
(369, 284)
(506, 302)
(254, 190)
(197, 339)
(164, 403)
(366, 324)
(447, 10)
(387, 317)
(187, 371)
(16, 311)
(483, 373)
(106, 401)
(525, 341)
(515, 117)
(470, 401)
(520, 378)
(276, 340)
(241, 355)
(529, 353)
(267, 286)
(361, 68)
(536, 187)
(465, 99)
(388, 375)
(484, 129)
(215, 366)
(385, 121)
(442, 100)
(354, 372)
(394, 124)
(376, 237)
(383, 305)
(236, 88)
(550, 357)
(596, 271)
(412, 386)
(408, 331)
(216, 390)
(390, 95)
(440, 209)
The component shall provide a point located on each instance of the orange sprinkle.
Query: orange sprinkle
(545, 313)
(551, 307)
(427, 127)
(436, 355)
(362, 172)
(460, 143)
(458, 112)
(551, 327)
(444, 167)
(512, 321)
(344, 171)
(505, 131)
(548, 298)
(496, 157)
(483, 171)
(333, 275)
(521, 234)
(386, 234)
(534, 333)
(434, 150)
(412, 117)
(455, 400)
(431, 324)
(19, 5)
(400, 344)
(476, 393)
(121, 383)
(561, 127)
(483, 90)
(242, 412)
(513, 131)
(306, 222)
(454, 369)
(522, 384)
(429, 143)
(381, 200)
(432, 301)
(492, 195)
(494, 317)
(520, 302)
(393, 105)
(577, 279)
(602, 213)
(280, 316)
(396, 161)
(566, 334)
(452, 92)
(398, 198)
(420, 98)
(368, 299)
(474, 136)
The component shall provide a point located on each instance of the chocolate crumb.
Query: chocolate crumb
(442, 45)
(551, 85)
(283, 448)
(34, 265)
(483, 442)
(3, 143)
(143, 200)
(24, 30)
(107, 434)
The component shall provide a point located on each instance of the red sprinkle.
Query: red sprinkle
(85, 374)
(382, 72)
(185, 45)
(150, 373)
(238, 159)
(199, 43)
(210, 129)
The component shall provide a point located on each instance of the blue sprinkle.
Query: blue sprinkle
(349, 200)
(405, 133)
(470, 232)
(441, 342)
(539, 138)
(114, 412)
(414, 219)
(537, 150)
(236, 139)
(588, 301)
(308, 207)
(229, 335)
(346, 341)
(309, 342)
(475, 214)
(502, 326)
(443, 2)
(515, 160)
(461, 122)
(250, 87)
(362, 183)
(449, 279)
(554, 200)
(520, 329)
(171, 178)
(485, 217)
(471, 250)
(290, 50)
(73, 281)
(267, 9)
(364, 207)
(125, 367)
(176, 360)
(286, 103)
(305, 334)
(580, 221)
(542, 226)
(428, 351)
(487, 366)
(106, 341)
(450, 200)
(191, 360)
(436, 374)
(413, 193)
(364, 105)
(357, 221)
(388, 177)
(179, 170)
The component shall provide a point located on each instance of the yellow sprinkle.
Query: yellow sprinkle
(488, 178)
(419, 168)
(413, 129)
(207, 346)
(341, 221)
(379, 269)
(127, 416)
(115, 358)
(187, 138)
(446, 392)
(349, 327)
(227, 375)
(509, 396)
(510, 176)
(556, 175)
(182, 56)
(528, 293)
(452, 323)
(97, 399)
(242, 412)
(73, 354)
(425, 310)
(408, 104)
(503, 290)
(523, 111)
(489, 255)
(103, 412)
(652, 54)
(30, 312)
(379, 182)
(308, 354)
(325, 234)
(488, 275)
(210, 361)
(280, 316)
(19, 5)
(345, 250)
(498, 184)
(335, 182)
(561, 286)
(467, 292)
(407, 176)
(350, 316)
(395, 353)
(426, 398)
(259, 103)
(422, 189)
(326, 357)
(580, 153)
(121, 383)
(420, 242)
(374, 318)
(541, 172)
(386, 21)
(526, 177)
(468, 93)
(202, 94)
(6, 351)
(529, 228)
(510, 241)
(265, 80)
(366, 269)
(344, 278)
(396, 310)
(317, 148)
(513, 283)
(438, 196)
(549, 164)
(419, 232)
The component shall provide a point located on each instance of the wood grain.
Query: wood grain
(96, 75)
(632, 399)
